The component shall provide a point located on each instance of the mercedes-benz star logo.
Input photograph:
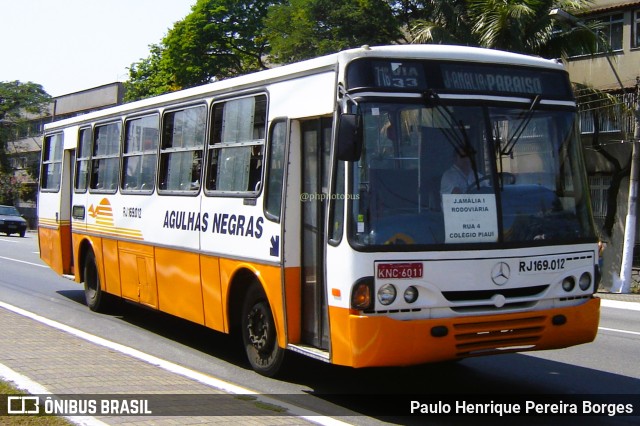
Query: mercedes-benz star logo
(500, 273)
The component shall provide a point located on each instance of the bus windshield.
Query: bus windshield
(435, 173)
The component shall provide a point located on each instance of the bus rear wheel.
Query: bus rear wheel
(259, 334)
(93, 293)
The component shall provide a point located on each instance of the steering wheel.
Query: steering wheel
(505, 177)
(474, 186)
(399, 238)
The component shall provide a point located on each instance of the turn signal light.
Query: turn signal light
(361, 294)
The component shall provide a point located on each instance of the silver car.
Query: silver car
(11, 222)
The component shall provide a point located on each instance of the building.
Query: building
(608, 132)
(24, 149)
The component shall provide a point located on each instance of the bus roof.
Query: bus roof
(313, 66)
(451, 52)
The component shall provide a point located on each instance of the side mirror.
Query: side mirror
(349, 140)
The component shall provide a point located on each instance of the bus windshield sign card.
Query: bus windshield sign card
(470, 218)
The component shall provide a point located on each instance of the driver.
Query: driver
(459, 177)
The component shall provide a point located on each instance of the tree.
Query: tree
(303, 29)
(149, 77)
(519, 26)
(16, 101)
(601, 104)
(218, 39)
(407, 12)
(16, 98)
(224, 38)
(8, 189)
(522, 26)
(445, 22)
(525, 26)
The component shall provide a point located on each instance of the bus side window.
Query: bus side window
(181, 152)
(51, 162)
(275, 170)
(139, 154)
(83, 159)
(236, 151)
(105, 159)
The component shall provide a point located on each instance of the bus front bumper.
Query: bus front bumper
(368, 341)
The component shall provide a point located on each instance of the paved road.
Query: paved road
(164, 354)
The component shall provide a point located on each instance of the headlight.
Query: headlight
(387, 294)
(411, 294)
(568, 283)
(585, 281)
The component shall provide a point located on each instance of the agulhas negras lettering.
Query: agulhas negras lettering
(217, 223)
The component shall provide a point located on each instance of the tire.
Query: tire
(22, 233)
(93, 293)
(259, 334)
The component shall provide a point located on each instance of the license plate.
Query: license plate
(546, 264)
(399, 270)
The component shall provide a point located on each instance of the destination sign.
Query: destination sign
(441, 76)
(483, 78)
(477, 80)
(402, 75)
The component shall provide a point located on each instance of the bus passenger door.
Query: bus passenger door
(54, 201)
(64, 219)
(70, 162)
(315, 138)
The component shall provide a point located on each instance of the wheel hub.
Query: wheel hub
(258, 329)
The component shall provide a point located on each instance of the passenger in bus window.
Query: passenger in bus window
(196, 170)
(148, 172)
(383, 155)
(131, 176)
(255, 168)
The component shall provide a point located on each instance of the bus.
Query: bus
(381, 206)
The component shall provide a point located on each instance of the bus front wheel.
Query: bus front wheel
(259, 334)
(93, 293)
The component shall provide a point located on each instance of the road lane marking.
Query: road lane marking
(632, 306)
(220, 384)
(24, 261)
(637, 333)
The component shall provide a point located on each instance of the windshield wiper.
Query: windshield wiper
(458, 140)
(528, 115)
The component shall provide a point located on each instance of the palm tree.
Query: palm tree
(522, 26)
(448, 23)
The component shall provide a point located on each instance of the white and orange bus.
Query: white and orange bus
(381, 206)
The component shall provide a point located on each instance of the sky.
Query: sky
(71, 45)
